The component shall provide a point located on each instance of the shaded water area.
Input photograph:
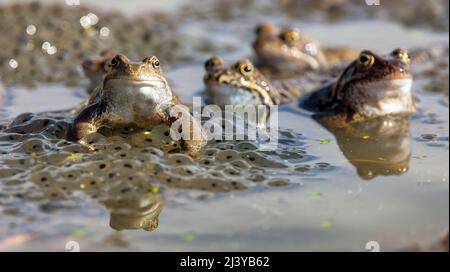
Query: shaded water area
(322, 189)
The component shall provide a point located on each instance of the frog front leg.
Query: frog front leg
(86, 121)
(179, 117)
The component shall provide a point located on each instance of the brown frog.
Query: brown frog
(138, 93)
(288, 49)
(94, 68)
(242, 83)
(371, 86)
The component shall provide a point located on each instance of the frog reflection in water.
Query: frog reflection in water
(378, 147)
(135, 211)
(371, 86)
(135, 92)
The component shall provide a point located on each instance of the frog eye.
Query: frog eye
(156, 63)
(246, 68)
(401, 54)
(115, 61)
(118, 60)
(291, 36)
(153, 61)
(366, 59)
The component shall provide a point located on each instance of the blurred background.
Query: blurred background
(182, 30)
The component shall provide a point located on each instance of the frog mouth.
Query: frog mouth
(153, 89)
(151, 80)
(148, 83)
(238, 92)
(291, 58)
(388, 96)
(229, 94)
(304, 59)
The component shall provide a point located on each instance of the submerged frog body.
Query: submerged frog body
(289, 49)
(138, 93)
(241, 83)
(371, 86)
(95, 68)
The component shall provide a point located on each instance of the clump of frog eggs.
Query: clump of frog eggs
(132, 161)
(46, 43)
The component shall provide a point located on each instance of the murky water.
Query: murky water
(387, 183)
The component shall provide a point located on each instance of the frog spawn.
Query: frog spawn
(431, 68)
(151, 153)
(132, 166)
(222, 166)
(44, 42)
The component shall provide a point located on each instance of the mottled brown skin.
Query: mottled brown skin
(370, 87)
(94, 68)
(241, 83)
(289, 49)
(134, 92)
